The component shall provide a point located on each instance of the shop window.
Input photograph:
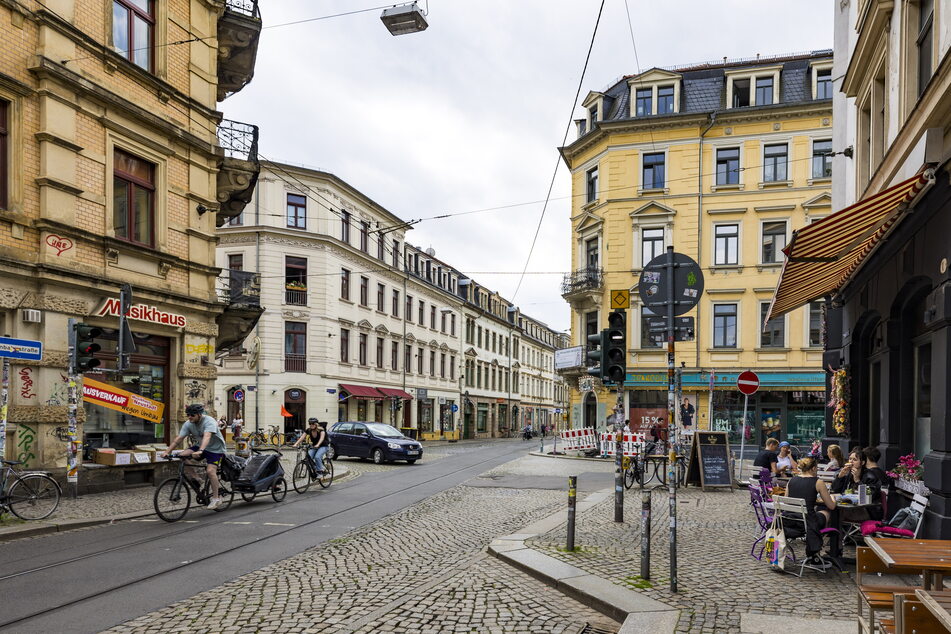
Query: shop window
(362, 349)
(344, 284)
(728, 166)
(133, 30)
(774, 163)
(4, 153)
(726, 242)
(482, 417)
(724, 326)
(773, 334)
(653, 172)
(133, 195)
(815, 324)
(296, 211)
(774, 241)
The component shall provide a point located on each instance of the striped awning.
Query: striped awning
(360, 391)
(821, 257)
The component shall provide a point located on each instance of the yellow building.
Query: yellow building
(722, 161)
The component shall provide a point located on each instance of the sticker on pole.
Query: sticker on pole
(747, 383)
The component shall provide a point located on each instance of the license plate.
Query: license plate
(412, 453)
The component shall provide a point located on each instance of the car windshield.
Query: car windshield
(384, 431)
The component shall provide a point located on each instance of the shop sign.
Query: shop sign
(421, 393)
(121, 400)
(143, 312)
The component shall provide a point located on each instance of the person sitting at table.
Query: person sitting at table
(850, 476)
(768, 458)
(875, 479)
(836, 459)
(807, 486)
(785, 465)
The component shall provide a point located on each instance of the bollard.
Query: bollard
(572, 498)
(645, 534)
(541, 444)
(618, 478)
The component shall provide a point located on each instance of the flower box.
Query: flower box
(912, 486)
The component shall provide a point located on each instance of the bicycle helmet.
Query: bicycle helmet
(312, 420)
(195, 408)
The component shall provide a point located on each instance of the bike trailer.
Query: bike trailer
(259, 473)
(231, 467)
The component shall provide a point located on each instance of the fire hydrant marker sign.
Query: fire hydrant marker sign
(99, 393)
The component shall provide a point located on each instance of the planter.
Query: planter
(912, 486)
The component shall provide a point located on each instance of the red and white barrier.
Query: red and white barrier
(631, 444)
(579, 439)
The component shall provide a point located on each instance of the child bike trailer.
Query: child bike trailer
(262, 472)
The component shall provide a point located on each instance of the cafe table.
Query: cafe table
(938, 602)
(931, 556)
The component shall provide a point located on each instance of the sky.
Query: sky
(468, 115)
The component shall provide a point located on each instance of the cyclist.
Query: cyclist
(319, 442)
(210, 445)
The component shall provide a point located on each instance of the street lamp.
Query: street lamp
(404, 19)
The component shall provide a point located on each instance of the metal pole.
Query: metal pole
(3, 408)
(671, 442)
(72, 444)
(746, 402)
(618, 459)
(645, 533)
(572, 499)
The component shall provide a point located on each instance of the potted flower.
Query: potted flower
(907, 474)
(839, 401)
(295, 285)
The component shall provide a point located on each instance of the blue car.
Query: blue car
(379, 441)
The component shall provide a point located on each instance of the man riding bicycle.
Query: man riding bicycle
(319, 442)
(209, 444)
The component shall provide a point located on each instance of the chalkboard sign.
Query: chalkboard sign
(710, 460)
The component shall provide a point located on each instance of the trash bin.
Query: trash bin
(241, 447)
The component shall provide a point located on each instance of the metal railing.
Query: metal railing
(295, 298)
(238, 140)
(295, 362)
(244, 7)
(239, 287)
(588, 278)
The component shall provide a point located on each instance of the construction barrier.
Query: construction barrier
(578, 439)
(631, 444)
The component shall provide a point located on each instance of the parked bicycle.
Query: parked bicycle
(257, 438)
(305, 472)
(173, 497)
(647, 465)
(30, 495)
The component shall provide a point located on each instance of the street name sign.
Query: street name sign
(24, 349)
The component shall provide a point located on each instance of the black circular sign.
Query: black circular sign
(687, 282)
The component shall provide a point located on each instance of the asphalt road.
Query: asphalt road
(90, 580)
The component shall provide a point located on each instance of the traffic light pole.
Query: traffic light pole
(672, 439)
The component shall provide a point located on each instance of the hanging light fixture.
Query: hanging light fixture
(404, 19)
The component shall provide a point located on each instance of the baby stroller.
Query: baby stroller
(262, 472)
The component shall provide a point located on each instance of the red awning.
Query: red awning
(395, 393)
(360, 391)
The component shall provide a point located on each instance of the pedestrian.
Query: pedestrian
(686, 414)
(236, 424)
(627, 426)
(222, 425)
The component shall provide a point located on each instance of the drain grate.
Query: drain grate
(598, 628)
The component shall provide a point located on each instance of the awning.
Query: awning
(821, 257)
(360, 391)
(395, 393)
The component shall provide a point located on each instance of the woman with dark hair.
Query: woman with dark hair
(850, 477)
(836, 459)
(807, 486)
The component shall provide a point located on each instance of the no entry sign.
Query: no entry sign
(747, 382)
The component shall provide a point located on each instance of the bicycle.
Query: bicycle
(257, 438)
(31, 495)
(173, 497)
(305, 472)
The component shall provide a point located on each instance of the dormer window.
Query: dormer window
(824, 84)
(665, 99)
(752, 87)
(764, 91)
(593, 116)
(643, 99)
(741, 93)
(655, 92)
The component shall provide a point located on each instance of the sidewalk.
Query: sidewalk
(721, 588)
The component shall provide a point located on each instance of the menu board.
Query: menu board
(710, 460)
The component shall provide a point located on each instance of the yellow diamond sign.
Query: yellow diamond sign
(621, 299)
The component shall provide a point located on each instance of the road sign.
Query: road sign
(620, 299)
(687, 282)
(455, 408)
(659, 324)
(238, 395)
(747, 382)
(25, 349)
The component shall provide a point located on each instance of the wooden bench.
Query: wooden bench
(878, 598)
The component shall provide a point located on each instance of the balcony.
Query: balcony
(583, 285)
(294, 297)
(295, 362)
(238, 168)
(239, 29)
(240, 292)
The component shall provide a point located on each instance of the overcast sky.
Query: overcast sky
(468, 115)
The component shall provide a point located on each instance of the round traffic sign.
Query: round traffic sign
(747, 382)
(238, 395)
(687, 284)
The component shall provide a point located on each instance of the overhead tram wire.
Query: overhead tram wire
(554, 174)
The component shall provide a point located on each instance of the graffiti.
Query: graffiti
(58, 243)
(60, 433)
(195, 390)
(26, 383)
(59, 392)
(26, 437)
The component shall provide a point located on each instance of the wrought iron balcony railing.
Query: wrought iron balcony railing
(295, 298)
(295, 362)
(244, 7)
(587, 279)
(241, 288)
(238, 140)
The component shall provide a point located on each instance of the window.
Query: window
(442, 323)
(379, 249)
(364, 291)
(815, 324)
(344, 345)
(365, 236)
(591, 253)
(236, 261)
(432, 316)
(295, 346)
(4, 150)
(822, 159)
(591, 185)
(741, 93)
(774, 333)
(394, 355)
(652, 244)
(442, 365)
(649, 339)
(296, 211)
(133, 24)
(408, 358)
(452, 324)
(362, 349)
(728, 166)
(419, 360)
(233, 221)
(925, 42)
(133, 198)
(422, 313)
(724, 326)
(593, 115)
(653, 172)
(432, 363)
(665, 99)
(409, 308)
(452, 367)
(344, 284)
(824, 84)
(380, 292)
(642, 102)
(345, 226)
(295, 280)
(774, 163)
(764, 91)
(379, 352)
(726, 240)
(396, 303)
(774, 241)
(396, 254)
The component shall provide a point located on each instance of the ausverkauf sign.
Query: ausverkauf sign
(143, 312)
(106, 395)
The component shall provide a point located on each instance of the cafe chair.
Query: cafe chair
(796, 527)
(874, 528)
(764, 519)
(877, 598)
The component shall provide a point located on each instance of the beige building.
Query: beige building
(116, 167)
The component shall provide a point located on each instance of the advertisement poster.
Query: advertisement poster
(121, 400)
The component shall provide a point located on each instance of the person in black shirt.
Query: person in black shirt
(319, 442)
(768, 458)
(807, 486)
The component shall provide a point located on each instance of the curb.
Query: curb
(35, 529)
(609, 460)
(637, 612)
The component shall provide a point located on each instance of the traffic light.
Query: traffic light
(615, 352)
(85, 348)
(595, 355)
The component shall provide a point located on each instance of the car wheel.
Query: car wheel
(331, 452)
(413, 461)
(378, 456)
